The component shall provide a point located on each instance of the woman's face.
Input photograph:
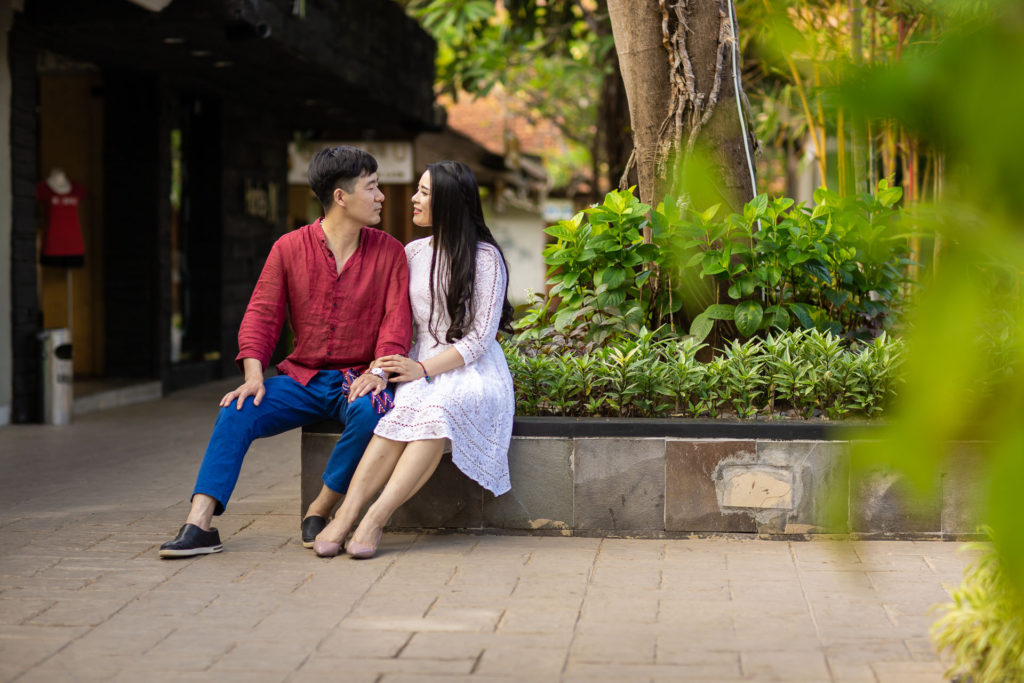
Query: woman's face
(421, 202)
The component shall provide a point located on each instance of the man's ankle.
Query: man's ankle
(201, 512)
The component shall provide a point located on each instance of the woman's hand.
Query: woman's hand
(400, 368)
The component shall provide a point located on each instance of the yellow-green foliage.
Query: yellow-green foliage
(983, 627)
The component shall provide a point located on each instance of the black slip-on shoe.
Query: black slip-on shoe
(311, 526)
(191, 541)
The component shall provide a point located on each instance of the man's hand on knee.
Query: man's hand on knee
(253, 385)
(254, 388)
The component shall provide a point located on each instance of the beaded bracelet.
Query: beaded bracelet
(425, 375)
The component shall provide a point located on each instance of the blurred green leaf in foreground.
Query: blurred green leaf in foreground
(964, 94)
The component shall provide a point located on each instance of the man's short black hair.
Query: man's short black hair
(339, 166)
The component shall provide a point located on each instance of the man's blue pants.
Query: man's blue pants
(287, 405)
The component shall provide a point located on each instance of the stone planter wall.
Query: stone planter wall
(659, 477)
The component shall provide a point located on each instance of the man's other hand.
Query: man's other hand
(250, 388)
(364, 384)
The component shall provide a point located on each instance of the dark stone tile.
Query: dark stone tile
(542, 490)
(963, 489)
(691, 499)
(449, 500)
(619, 484)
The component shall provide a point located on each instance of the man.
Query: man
(346, 289)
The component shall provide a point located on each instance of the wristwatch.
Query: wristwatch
(377, 372)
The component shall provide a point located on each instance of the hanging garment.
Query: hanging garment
(62, 243)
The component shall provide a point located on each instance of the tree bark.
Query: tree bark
(676, 61)
(643, 61)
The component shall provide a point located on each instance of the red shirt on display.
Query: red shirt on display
(62, 243)
(340, 321)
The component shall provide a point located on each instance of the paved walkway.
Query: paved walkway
(84, 597)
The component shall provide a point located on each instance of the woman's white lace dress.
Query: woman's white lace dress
(471, 405)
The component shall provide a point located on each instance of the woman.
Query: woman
(456, 384)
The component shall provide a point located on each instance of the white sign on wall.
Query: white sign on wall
(394, 159)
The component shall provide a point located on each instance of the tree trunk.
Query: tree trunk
(676, 62)
(636, 28)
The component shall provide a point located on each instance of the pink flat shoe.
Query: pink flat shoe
(358, 551)
(326, 548)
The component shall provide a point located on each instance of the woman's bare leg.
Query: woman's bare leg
(417, 462)
(372, 473)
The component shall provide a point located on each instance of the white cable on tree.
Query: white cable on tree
(739, 103)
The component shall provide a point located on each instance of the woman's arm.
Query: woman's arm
(488, 298)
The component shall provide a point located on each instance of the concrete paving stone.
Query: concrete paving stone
(379, 603)
(532, 588)
(140, 671)
(678, 649)
(632, 551)
(776, 635)
(15, 610)
(444, 544)
(843, 672)
(179, 604)
(790, 665)
(921, 649)
(632, 643)
(774, 590)
(580, 672)
(908, 672)
(499, 574)
(537, 616)
(432, 678)
(758, 564)
(464, 619)
(696, 590)
(26, 564)
(891, 586)
(59, 668)
(357, 666)
(199, 641)
(839, 581)
(313, 676)
(713, 615)
(23, 647)
(83, 610)
(375, 644)
(619, 611)
(639, 577)
(538, 663)
(447, 645)
(865, 651)
(37, 585)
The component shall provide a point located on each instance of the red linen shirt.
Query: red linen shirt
(340, 321)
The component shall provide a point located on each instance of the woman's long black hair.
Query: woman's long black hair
(457, 227)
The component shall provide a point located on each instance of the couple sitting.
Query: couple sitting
(352, 298)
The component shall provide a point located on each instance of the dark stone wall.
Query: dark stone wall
(255, 148)
(25, 311)
(135, 240)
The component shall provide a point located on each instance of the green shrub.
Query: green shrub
(983, 627)
(838, 267)
(803, 374)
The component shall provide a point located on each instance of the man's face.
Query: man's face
(363, 204)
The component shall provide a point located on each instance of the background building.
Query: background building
(174, 117)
